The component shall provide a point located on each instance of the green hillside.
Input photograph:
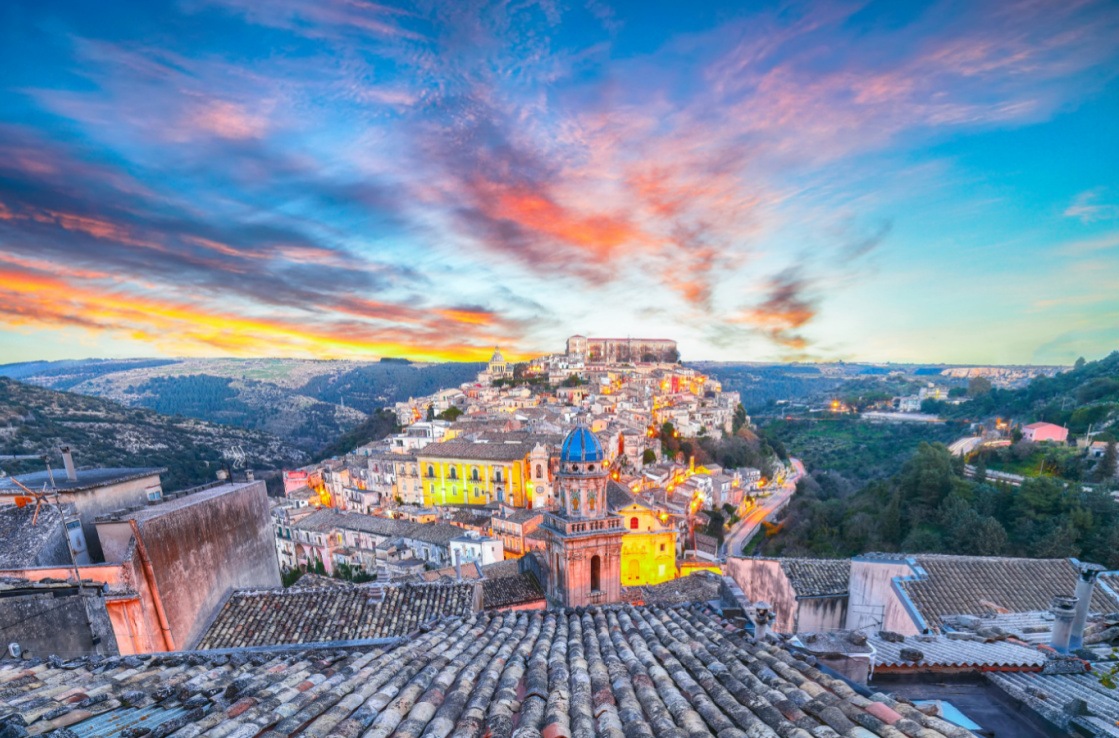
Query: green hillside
(34, 420)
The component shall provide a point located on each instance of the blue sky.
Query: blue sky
(815, 181)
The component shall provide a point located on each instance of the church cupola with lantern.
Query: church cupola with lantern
(584, 540)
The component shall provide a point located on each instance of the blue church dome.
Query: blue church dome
(581, 446)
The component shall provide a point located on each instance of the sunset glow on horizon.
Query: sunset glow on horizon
(879, 181)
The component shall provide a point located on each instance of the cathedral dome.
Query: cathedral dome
(581, 446)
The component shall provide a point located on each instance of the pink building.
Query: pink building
(1038, 432)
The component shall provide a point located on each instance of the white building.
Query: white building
(473, 547)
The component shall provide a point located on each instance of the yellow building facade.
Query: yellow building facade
(465, 473)
(648, 547)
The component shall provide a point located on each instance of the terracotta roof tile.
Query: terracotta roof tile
(622, 672)
(970, 585)
(817, 577)
(322, 615)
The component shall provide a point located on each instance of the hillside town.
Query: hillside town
(474, 470)
(522, 558)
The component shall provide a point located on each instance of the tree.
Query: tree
(977, 386)
(1079, 363)
(431, 412)
(649, 456)
(572, 380)
(452, 414)
(1105, 470)
(739, 418)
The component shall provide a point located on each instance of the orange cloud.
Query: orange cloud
(30, 297)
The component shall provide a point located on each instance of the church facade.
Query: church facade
(584, 540)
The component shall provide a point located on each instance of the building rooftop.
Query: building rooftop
(87, 479)
(326, 614)
(623, 671)
(510, 591)
(1055, 697)
(580, 446)
(945, 651)
(178, 501)
(817, 577)
(700, 586)
(471, 451)
(21, 543)
(977, 585)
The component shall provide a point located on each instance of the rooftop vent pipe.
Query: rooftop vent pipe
(1084, 586)
(68, 462)
(1063, 609)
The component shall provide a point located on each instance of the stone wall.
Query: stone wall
(57, 621)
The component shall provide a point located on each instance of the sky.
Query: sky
(880, 181)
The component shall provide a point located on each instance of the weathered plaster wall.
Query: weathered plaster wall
(763, 579)
(872, 601)
(92, 503)
(202, 551)
(816, 614)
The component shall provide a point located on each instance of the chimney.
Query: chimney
(68, 462)
(763, 614)
(223, 475)
(249, 476)
(1063, 609)
(458, 565)
(1084, 587)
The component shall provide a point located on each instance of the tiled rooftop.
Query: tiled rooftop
(945, 651)
(468, 450)
(86, 479)
(621, 672)
(21, 543)
(698, 587)
(519, 589)
(817, 577)
(1051, 695)
(971, 585)
(327, 614)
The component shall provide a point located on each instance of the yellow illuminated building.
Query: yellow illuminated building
(466, 473)
(648, 546)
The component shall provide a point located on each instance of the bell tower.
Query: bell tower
(584, 546)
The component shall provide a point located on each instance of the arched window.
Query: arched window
(539, 471)
(430, 470)
(454, 473)
(497, 476)
(596, 573)
(633, 523)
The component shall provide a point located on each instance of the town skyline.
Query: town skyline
(877, 182)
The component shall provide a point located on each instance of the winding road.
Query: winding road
(766, 507)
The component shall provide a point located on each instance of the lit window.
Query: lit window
(633, 524)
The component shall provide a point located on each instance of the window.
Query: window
(633, 525)
(596, 573)
(430, 470)
(497, 476)
(474, 474)
(454, 473)
(662, 547)
(539, 471)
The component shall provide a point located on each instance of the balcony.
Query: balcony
(583, 526)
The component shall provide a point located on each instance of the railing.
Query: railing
(583, 525)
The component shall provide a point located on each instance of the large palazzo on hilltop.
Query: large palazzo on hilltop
(584, 540)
